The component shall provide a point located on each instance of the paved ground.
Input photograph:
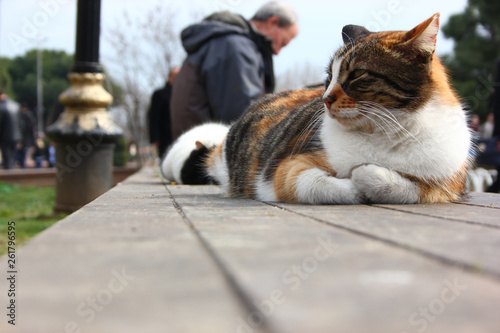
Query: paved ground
(146, 257)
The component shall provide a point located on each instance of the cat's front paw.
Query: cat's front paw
(381, 185)
(315, 186)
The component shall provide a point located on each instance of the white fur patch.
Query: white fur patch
(381, 185)
(209, 135)
(335, 76)
(264, 190)
(218, 170)
(315, 186)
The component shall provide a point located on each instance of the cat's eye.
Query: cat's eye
(357, 73)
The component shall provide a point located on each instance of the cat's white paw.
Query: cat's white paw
(315, 186)
(381, 185)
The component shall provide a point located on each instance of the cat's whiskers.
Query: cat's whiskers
(301, 142)
(389, 127)
(381, 121)
(383, 111)
(374, 121)
(387, 118)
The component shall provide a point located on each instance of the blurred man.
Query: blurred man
(160, 129)
(27, 124)
(10, 132)
(229, 64)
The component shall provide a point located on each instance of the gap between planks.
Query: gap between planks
(238, 291)
(447, 219)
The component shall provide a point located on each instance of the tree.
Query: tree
(141, 63)
(18, 77)
(476, 33)
(5, 78)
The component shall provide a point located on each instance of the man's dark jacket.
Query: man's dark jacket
(160, 129)
(229, 65)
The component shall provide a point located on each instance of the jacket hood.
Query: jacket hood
(215, 25)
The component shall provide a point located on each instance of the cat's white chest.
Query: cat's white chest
(348, 150)
(436, 146)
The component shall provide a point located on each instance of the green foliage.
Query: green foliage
(19, 79)
(55, 68)
(476, 33)
(31, 209)
(5, 78)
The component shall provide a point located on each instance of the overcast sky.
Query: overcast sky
(320, 22)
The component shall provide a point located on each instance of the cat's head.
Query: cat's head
(389, 70)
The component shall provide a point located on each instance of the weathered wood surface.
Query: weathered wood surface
(146, 257)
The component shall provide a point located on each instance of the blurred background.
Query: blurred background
(140, 42)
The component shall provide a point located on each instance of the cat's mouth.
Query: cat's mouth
(347, 114)
(350, 118)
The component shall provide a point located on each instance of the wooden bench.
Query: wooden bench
(147, 257)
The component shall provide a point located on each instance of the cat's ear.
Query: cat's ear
(423, 36)
(351, 33)
(199, 145)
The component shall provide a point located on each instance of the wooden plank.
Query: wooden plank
(312, 277)
(127, 262)
(464, 213)
(490, 200)
(474, 247)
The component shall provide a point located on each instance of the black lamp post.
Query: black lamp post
(87, 37)
(84, 133)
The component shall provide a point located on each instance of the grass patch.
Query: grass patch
(30, 207)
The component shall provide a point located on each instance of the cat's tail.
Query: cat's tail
(184, 162)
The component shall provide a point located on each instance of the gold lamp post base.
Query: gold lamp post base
(84, 136)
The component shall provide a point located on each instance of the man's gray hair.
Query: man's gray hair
(276, 8)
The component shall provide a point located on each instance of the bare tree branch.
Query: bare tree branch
(300, 76)
(143, 56)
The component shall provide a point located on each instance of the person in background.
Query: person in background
(27, 125)
(52, 154)
(10, 132)
(475, 126)
(5, 131)
(160, 129)
(487, 127)
(229, 64)
(495, 187)
(39, 153)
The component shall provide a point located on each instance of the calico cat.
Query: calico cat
(387, 128)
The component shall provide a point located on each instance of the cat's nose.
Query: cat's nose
(329, 100)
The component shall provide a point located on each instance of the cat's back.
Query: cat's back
(272, 128)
